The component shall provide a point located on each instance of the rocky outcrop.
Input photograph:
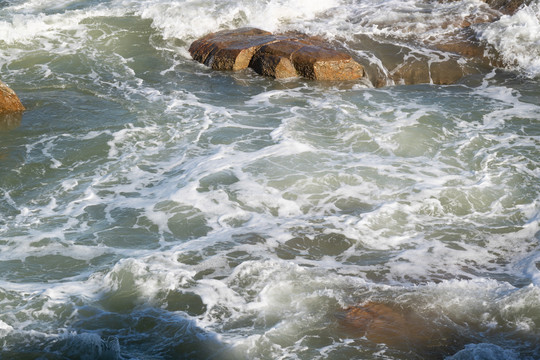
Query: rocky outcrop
(9, 101)
(277, 56)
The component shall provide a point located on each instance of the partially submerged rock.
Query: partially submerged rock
(423, 70)
(229, 49)
(277, 56)
(9, 101)
(383, 324)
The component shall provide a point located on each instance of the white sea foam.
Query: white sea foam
(194, 19)
(4, 329)
(517, 38)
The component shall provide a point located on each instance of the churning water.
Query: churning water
(151, 208)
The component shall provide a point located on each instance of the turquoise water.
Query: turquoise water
(151, 208)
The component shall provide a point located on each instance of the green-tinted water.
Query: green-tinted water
(152, 208)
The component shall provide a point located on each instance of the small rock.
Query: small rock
(9, 101)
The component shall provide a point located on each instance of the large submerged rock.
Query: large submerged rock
(405, 330)
(277, 56)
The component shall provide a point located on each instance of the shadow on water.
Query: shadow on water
(10, 121)
(149, 333)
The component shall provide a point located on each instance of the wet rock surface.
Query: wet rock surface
(382, 61)
(277, 56)
(9, 101)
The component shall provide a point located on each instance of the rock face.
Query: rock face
(277, 56)
(9, 101)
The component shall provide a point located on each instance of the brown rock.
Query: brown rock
(274, 59)
(425, 71)
(465, 48)
(397, 328)
(318, 63)
(446, 72)
(230, 49)
(237, 54)
(278, 67)
(278, 56)
(412, 72)
(9, 101)
(378, 322)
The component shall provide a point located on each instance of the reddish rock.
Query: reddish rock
(9, 101)
(383, 324)
(378, 322)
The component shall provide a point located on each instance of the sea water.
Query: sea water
(152, 208)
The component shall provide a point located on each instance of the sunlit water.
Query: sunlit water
(151, 208)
